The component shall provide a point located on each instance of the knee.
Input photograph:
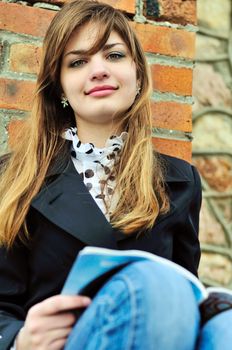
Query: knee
(152, 274)
(162, 292)
(156, 281)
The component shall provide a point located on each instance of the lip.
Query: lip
(101, 90)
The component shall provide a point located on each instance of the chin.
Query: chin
(103, 113)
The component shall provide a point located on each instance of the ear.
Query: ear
(138, 84)
(138, 87)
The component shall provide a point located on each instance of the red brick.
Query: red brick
(25, 58)
(166, 41)
(179, 11)
(175, 11)
(179, 149)
(172, 115)
(35, 21)
(156, 39)
(16, 94)
(172, 79)
(125, 5)
(25, 19)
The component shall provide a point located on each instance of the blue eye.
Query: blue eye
(114, 56)
(77, 63)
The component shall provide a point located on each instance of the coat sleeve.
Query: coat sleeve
(13, 287)
(186, 249)
(13, 290)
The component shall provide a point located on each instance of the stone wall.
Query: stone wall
(168, 37)
(212, 145)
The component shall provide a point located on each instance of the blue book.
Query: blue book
(94, 266)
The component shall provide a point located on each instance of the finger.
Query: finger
(58, 344)
(60, 303)
(54, 322)
(57, 334)
(45, 339)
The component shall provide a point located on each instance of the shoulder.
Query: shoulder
(181, 179)
(184, 190)
(178, 170)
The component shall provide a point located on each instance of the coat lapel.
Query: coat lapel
(68, 204)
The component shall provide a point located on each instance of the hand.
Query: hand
(49, 323)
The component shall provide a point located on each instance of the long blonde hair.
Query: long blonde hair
(140, 183)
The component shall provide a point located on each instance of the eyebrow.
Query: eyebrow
(84, 52)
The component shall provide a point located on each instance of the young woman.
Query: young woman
(84, 172)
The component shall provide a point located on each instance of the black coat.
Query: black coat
(63, 218)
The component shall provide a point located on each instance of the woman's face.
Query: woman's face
(100, 85)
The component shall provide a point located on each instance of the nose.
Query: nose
(99, 70)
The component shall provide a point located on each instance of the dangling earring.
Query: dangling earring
(138, 90)
(64, 101)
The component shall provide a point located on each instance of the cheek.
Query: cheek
(127, 76)
(130, 85)
(70, 84)
(128, 80)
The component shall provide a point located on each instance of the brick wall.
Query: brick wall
(167, 31)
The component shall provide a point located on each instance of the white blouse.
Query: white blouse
(95, 165)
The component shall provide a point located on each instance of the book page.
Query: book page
(93, 262)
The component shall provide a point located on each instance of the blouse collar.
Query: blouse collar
(81, 150)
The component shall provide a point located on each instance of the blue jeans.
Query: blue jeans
(146, 306)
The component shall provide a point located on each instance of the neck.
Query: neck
(96, 134)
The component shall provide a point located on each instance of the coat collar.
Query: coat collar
(67, 203)
(175, 169)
